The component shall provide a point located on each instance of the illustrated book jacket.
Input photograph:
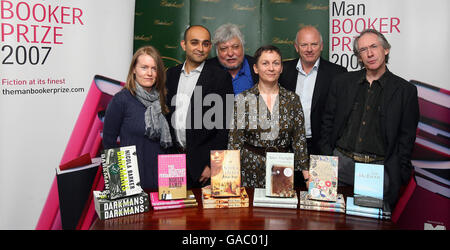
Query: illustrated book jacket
(172, 176)
(323, 173)
(280, 174)
(225, 173)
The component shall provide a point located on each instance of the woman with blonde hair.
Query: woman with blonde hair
(135, 115)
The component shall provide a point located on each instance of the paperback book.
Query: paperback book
(121, 172)
(260, 199)
(368, 186)
(208, 201)
(172, 176)
(323, 173)
(225, 173)
(107, 209)
(280, 174)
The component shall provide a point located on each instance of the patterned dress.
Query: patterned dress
(255, 125)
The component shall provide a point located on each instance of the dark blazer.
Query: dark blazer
(199, 142)
(327, 71)
(251, 61)
(398, 117)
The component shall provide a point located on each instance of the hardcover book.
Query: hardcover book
(319, 208)
(225, 173)
(155, 201)
(107, 209)
(368, 187)
(172, 176)
(323, 173)
(260, 197)
(339, 203)
(121, 172)
(351, 206)
(280, 174)
(209, 201)
(165, 207)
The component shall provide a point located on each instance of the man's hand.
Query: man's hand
(206, 174)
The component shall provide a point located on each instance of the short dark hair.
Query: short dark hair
(264, 48)
(192, 26)
(381, 38)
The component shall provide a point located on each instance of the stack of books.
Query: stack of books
(123, 194)
(225, 190)
(210, 201)
(337, 206)
(261, 200)
(368, 192)
(322, 190)
(279, 191)
(371, 212)
(158, 204)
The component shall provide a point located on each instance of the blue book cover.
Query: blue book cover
(368, 188)
(367, 210)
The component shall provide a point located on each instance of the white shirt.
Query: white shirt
(305, 89)
(186, 86)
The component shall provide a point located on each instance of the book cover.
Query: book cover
(280, 174)
(339, 203)
(74, 186)
(323, 173)
(107, 209)
(320, 208)
(259, 196)
(172, 176)
(375, 216)
(155, 201)
(225, 173)
(368, 186)
(121, 172)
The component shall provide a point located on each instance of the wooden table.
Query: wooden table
(251, 218)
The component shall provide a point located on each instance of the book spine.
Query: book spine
(236, 205)
(275, 201)
(326, 209)
(174, 206)
(275, 205)
(349, 212)
(322, 204)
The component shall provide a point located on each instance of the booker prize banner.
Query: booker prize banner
(417, 31)
(50, 52)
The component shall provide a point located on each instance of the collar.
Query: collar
(382, 80)
(299, 66)
(198, 69)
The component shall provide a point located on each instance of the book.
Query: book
(208, 201)
(120, 171)
(368, 186)
(155, 201)
(375, 216)
(165, 207)
(275, 205)
(323, 171)
(259, 196)
(320, 208)
(107, 209)
(339, 203)
(74, 187)
(351, 206)
(225, 173)
(280, 174)
(172, 176)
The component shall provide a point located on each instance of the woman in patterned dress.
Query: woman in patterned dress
(267, 118)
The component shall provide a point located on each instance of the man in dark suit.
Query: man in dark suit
(310, 77)
(371, 116)
(196, 129)
(229, 43)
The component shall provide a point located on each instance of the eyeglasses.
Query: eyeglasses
(366, 49)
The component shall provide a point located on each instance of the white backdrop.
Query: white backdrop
(418, 31)
(68, 41)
